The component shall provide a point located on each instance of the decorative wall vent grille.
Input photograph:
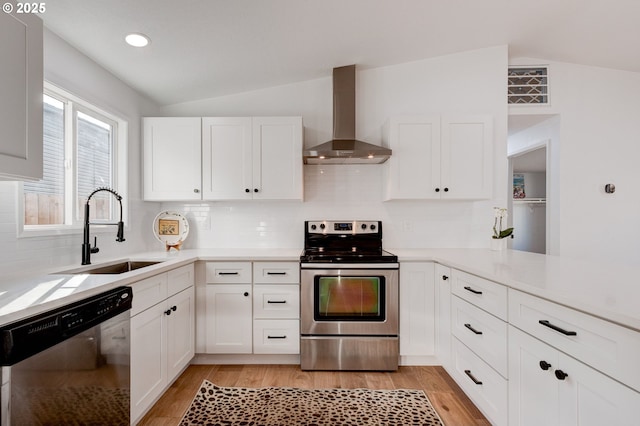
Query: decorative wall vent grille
(528, 85)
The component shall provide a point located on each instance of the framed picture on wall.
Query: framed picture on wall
(518, 186)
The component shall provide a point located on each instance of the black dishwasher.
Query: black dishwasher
(70, 365)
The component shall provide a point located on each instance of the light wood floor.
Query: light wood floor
(450, 402)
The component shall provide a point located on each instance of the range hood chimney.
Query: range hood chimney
(344, 148)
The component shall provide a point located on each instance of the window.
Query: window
(82, 148)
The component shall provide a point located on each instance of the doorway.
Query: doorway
(529, 188)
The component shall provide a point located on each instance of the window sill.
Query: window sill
(55, 231)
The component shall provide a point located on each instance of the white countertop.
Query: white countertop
(607, 291)
(611, 292)
(30, 295)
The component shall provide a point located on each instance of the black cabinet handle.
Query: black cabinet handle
(561, 375)
(556, 328)
(255, 189)
(444, 277)
(247, 190)
(472, 290)
(476, 381)
(167, 312)
(276, 301)
(545, 365)
(227, 273)
(446, 190)
(174, 308)
(437, 189)
(473, 329)
(276, 273)
(246, 293)
(276, 337)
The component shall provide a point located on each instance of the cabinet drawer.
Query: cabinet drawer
(228, 272)
(484, 334)
(485, 294)
(276, 272)
(148, 292)
(486, 388)
(276, 336)
(276, 301)
(612, 349)
(180, 279)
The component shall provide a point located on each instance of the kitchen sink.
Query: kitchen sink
(114, 268)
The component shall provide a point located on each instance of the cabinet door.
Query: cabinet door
(443, 314)
(148, 358)
(417, 309)
(229, 321)
(180, 331)
(277, 158)
(589, 398)
(21, 87)
(227, 158)
(413, 171)
(172, 164)
(533, 388)
(466, 158)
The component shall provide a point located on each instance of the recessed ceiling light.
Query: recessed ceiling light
(137, 40)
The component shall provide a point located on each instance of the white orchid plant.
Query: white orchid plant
(500, 216)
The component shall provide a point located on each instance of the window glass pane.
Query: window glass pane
(95, 152)
(44, 200)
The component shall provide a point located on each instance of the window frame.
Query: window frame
(119, 167)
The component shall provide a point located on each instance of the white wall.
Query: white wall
(595, 141)
(69, 69)
(471, 82)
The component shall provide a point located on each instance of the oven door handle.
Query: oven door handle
(349, 265)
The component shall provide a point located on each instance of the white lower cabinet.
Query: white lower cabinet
(547, 387)
(417, 312)
(229, 328)
(484, 386)
(162, 334)
(443, 314)
(252, 308)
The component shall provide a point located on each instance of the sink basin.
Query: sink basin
(115, 268)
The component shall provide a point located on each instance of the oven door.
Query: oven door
(349, 299)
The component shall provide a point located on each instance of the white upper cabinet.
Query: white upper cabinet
(277, 158)
(434, 157)
(252, 158)
(172, 152)
(223, 158)
(227, 158)
(21, 82)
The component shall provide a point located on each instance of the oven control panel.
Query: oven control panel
(344, 227)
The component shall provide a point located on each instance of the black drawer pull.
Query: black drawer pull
(276, 301)
(276, 337)
(228, 273)
(473, 329)
(276, 273)
(444, 277)
(472, 290)
(476, 381)
(556, 328)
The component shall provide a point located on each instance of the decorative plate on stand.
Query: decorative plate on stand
(171, 228)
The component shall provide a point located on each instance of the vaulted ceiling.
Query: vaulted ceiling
(208, 48)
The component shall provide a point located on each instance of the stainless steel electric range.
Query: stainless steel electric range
(348, 298)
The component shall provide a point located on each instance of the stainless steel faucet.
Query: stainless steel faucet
(86, 246)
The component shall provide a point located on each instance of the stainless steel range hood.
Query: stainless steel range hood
(344, 148)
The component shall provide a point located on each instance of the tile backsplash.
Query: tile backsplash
(336, 192)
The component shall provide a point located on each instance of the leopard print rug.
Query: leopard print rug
(215, 405)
